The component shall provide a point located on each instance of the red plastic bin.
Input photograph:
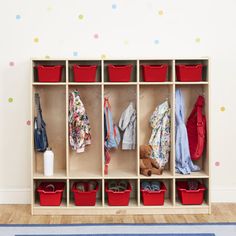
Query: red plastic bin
(84, 73)
(118, 198)
(119, 73)
(154, 198)
(86, 198)
(190, 197)
(49, 73)
(50, 193)
(189, 73)
(155, 73)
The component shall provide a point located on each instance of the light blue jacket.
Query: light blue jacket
(184, 164)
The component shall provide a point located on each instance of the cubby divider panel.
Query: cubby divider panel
(89, 163)
(85, 63)
(89, 197)
(49, 63)
(123, 162)
(150, 97)
(53, 104)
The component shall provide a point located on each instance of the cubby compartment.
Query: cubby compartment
(161, 198)
(50, 193)
(192, 192)
(120, 71)
(53, 104)
(88, 164)
(49, 71)
(85, 71)
(123, 162)
(190, 94)
(121, 192)
(150, 97)
(156, 71)
(191, 71)
(89, 196)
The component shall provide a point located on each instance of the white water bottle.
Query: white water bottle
(48, 157)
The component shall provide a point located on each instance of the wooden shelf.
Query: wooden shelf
(70, 166)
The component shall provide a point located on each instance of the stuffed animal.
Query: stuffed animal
(148, 165)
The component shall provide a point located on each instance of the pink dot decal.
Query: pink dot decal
(11, 63)
(217, 163)
(96, 36)
(28, 122)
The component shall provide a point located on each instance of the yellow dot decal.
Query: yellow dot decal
(36, 39)
(160, 13)
(10, 100)
(81, 17)
(103, 56)
(197, 40)
(222, 109)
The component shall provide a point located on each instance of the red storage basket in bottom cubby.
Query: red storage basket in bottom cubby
(190, 197)
(118, 198)
(189, 73)
(86, 198)
(84, 73)
(49, 73)
(154, 198)
(119, 73)
(155, 73)
(50, 193)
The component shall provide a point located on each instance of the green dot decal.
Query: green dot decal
(10, 100)
(81, 17)
(197, 40)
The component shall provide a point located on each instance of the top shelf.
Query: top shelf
(120, 72)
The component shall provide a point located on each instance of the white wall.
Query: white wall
(125, 28)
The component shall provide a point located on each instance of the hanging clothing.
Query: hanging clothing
(127, 124)
(79, 126)
(160, 121)
(184, 164)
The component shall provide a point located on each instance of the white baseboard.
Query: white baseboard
(223, 194)
(15, 196)
(22, 196)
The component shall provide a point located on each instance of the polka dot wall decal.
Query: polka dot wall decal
(103, 56)
(11, 63)
(217, 163)
(49, 8)
(28, 122)
(47, 57)
(197, 40)
(75, 53)
(36, 39)
(160, 12)
(222, 109)
(10, 100)
(156, 41)
(114, 6)
(81, 16)
(18, 17)
(126, 42)
(96, 36)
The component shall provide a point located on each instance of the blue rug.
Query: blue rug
(214, 229)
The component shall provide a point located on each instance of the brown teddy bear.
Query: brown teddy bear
(148, 165)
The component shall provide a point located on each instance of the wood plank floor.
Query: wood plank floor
(20, 214)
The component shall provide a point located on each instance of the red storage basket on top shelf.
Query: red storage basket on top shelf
(155, 73)
(49, 73)
(119, 73)
(50, 193)
(154, 198)
(189, 73)
(86, 198)
(84, 73)
(190, 197)
(120, 198)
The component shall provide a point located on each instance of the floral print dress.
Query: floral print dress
(79, 126)
(160, 121)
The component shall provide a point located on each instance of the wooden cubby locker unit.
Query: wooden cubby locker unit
(70, 167)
